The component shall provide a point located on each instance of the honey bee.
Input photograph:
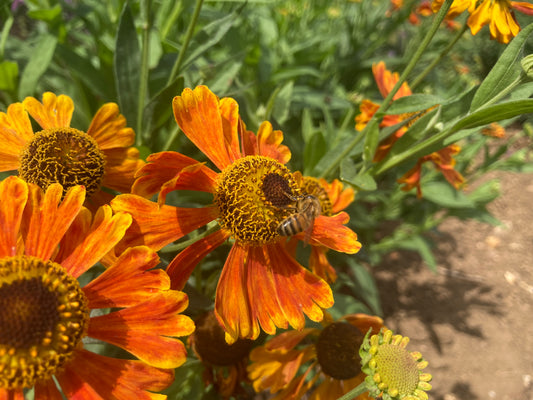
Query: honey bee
(307, 209)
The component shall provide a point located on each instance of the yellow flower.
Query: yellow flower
(393, 372)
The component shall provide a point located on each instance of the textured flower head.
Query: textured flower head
(322, 363)
(225, 364)
(46, 244)
(261, 285)
(393, 372)
(59, 153)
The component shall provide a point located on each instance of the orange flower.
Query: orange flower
(422, 10)
(385, 81)
(330, 356)
(443, 161)
(494, 130)
(101, 157)
(261, 285)
(498, 14)
(45, 245)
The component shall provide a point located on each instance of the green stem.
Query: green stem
(143, 81)
(437, 60)
(519, 79)
(188, 37)
(352, 394)
(439, 17)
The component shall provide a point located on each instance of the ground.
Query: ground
(473, 320)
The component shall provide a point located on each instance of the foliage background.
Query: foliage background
(304, 65)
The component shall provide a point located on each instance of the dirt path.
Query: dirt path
(473, 321)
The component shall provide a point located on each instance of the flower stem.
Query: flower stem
(437, 60)
(352, 394)
(180, 246)
(185, 45)
(143, 81)
(370, 127)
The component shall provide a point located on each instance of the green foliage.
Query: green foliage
(306, 67)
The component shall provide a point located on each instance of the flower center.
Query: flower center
(252, 197)
(312, 186)
(211, 346)
(63, 155)
(338, 350)
(397, 368)
(43, 317)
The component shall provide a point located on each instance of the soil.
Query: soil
(473, 319)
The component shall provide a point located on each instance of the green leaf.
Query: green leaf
(209, 36)
(422, 247)
(46, 14)
(506, 70)
(413, 103)
(307, 125)
(99, 83)
(9, 72)
(282, 102)
(445, 195)
(37, 65)
(314, 151)
(494, 113)
(126, 65)
(371, 142)
(159, 108)
(348, 173)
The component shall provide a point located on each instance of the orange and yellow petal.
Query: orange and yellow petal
(269, 143)
(49, 217)
(156, 226)
(180, 268)
(109, 129)
(275, 370)
(15, 132)
(229, 112)
(130, 280)
(162, 170)
(148, 330)
(197, 114)
(105, 232)
(53, 112)
(319, 264)
(364, 322)
(339, 196)
(14, 195)
(332, 233)
(367, 110)
(264, 287)
(457, 7)
(93, 376)
(523, 7)
(411, 179)
(289, 340)
(502, 23)
(121, 165)
(386, 80)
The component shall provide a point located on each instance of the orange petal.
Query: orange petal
(386, 81)
(180, 268)
(75, 234)
(53, 112)
(148, 330)
(128, 281)
(93, 376)
(265, 285)
(523, 7)
(15, 394)
(47, 390)
(331, 232)
(364, 322)
(48, 219)
(269, 143)
(13, 195)
(15, 133)
(106, 231)
(288, 340)
(480, 17)
(319, 264)
(108, 128)
(120, 168)
(164, 167)
(197, 114)
(156, 226)
(229, 112)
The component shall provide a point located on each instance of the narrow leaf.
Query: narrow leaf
(127, 62)
(506, 69)
(37, 65)
(9, 72)
(413, 103)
